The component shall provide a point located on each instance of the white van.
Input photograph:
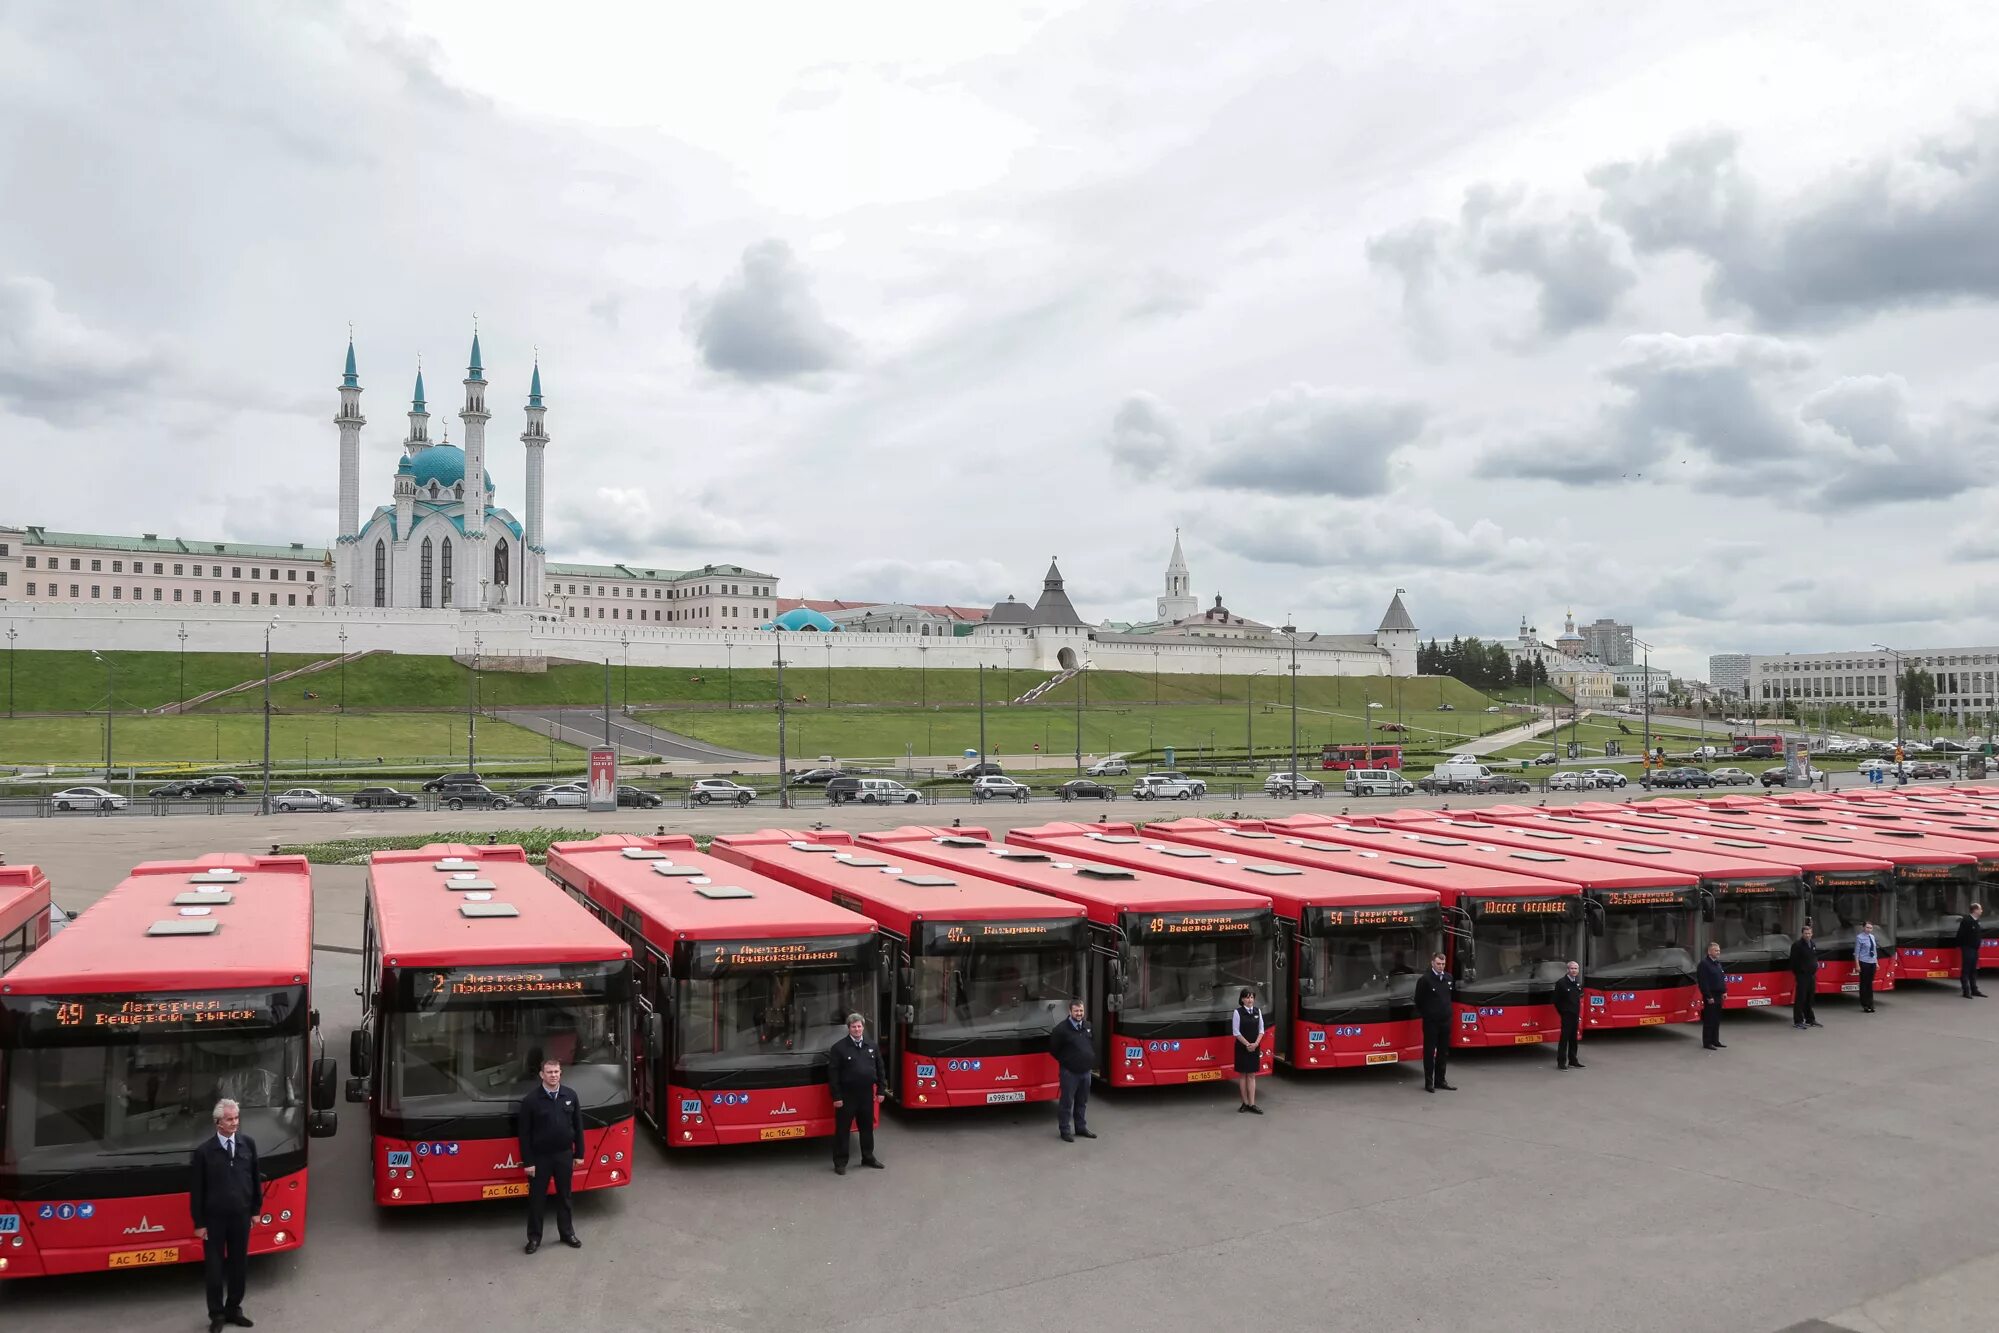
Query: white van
(1376, 782)
(1459, 768)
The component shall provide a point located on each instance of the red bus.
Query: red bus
(475, 968)
(1167, 957)
(1842, 900)
(979, 972)
(189, 982)
(1645, 928)
(743, 986)
(1775, 743)
(1339, 758)
(1965, 816)
(24, 913)
(1349, 948)
(1507, 935)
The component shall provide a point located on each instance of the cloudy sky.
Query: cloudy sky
(1680, 313)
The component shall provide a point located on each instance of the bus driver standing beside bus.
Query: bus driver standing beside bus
(854, 1068)
(1433, 1003)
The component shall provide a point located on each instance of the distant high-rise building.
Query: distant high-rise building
(1609, 642)
(1729, 673)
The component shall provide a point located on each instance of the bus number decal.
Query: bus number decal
(10, 1223)
(397, 1159)
(1134, 1052)
(926, 1071)
(690, 1106)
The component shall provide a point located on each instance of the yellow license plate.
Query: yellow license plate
(1650, 1019)
(1382, 1057)
(1204, 1075)
(1939, 976)
(141, 1258)
(783, 1132)
(517, 1190)
(1527, 1039)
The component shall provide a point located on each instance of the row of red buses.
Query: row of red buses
(743, 984)
(1349, 948)
(475, 968)
(24, 913)
(977, 973)
(189, 982)
(1339, 758)
(1167, 957)
(1508, 932)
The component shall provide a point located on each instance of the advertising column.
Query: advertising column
(603, 780)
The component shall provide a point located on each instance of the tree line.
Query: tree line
(1483, 666)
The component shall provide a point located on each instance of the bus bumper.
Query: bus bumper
(112, 1235)
(940, 1083)
(1505, 1025)
(705, 1118)
(1928, 964)
(474, 1170)
(1144, 1062)
(1758, 990)
(1604, 1010)
(1356, 1045)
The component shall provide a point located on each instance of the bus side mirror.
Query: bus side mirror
(1308, 986)
(1114, 1001)
(323, 1074)
(323, 1124)
(1114, 973)
(1593, 913)
(655, 1032)
(359, 1063)
(905, 1013)
(907, 978)
(357, 1089)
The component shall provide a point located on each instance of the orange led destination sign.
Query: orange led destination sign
(1559, 907)
(1641, 897)
(174, 1013)
(1169, 924)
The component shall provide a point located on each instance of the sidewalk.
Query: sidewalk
(1957, 1300)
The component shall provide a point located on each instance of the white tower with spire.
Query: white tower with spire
(1179, 602)
(472, 570)
(535, 437)
(350, 422)
(419, 436)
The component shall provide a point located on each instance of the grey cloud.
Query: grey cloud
(621, 523)
(1162, 294)
(763, 323)
(55, 366)
(957, 582)
(1147, 437)
(1312, 441)
(1313, 534)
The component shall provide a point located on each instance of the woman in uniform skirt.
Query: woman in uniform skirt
(1247, 1024)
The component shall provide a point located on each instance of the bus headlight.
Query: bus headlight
(265, 1219)
(281, 1238)
(603, 1159)
(285, 1216)
(396, 1193)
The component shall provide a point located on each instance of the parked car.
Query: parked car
(1375, 782)
(1569, 780)
(989, 768)
(1778, 776)
(1199, 785)
(568, 796)
(1547, 759)
(638, 798)
(1928, 768)
(1494, 708)
(1732, 777)
(1496, 784)
(1447, 708)
(997, 786)
(306, 798)
(87, 798)
(1949, 747)
(173, 791)
(444, 780)
(1606, 777)
(1680, 777)
(814, 777)
(1082, 789)
(707, 791)
(1292, 784)
(368, 798)
(1108, 768)
(1755, 752)
(870, 791)
(219, 784)
(1164, 787)
(477, 795)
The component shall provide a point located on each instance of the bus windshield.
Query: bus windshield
(1837, 915)
(1352, 972)
(1517, 960)
(990, 994)
(1756, 931)
(1644, 943)
(771, 1018)
(1929, 910)
(1197, 980)
(77, 1101)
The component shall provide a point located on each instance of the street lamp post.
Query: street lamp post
(607, 703)
(1008, 650)
(1900, 688)
(730, 649)
(625, 642)
(829, 672)
(1648, 698)
(266, 804)
(109, 701)
(182, 635)
(1249, 713)
(783, 786)
(13, 634)
(343, 691)
(1291, 632)
(982, 712)
(922, 676)
(472, 710)
(1087, 664)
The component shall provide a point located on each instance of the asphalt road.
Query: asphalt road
(585, 727)
(1663, 1188)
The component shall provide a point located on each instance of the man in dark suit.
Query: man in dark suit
(1969, 935)
(1569, 1008)
(1433, 1004)
(854, 1068)
(1713, 979)
(225, 1192)
(1805, 976)
(551, 1124)
(1075, 1050)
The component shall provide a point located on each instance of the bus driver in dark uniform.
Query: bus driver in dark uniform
(551, 1126)
(854, 1069)
(1433, 1003)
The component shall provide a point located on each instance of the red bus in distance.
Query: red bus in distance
(189, 982)
(1350, 947)
(24, 913)
(1753, 907)
(979, 973)
(1738, 744)
(1645, 926)
(1507, 935)
(1339, 758)
(474, 969)
(744, 984)
(1167, 956)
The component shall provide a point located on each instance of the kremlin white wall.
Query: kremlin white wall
(525, 634)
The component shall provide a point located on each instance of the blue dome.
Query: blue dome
(443, 464)
(803, 618)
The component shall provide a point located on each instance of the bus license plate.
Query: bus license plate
(1755, 1000)
(1204, 1075)
(1526, 1039)
(783, 1132)
(517, 1190)
(993, 1097)
(1382, 1057)
(140, 1258)
(1649, 1019)
(1937, 976)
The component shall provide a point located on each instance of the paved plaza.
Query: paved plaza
(1829, 1175)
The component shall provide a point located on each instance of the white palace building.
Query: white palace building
(444, 569)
